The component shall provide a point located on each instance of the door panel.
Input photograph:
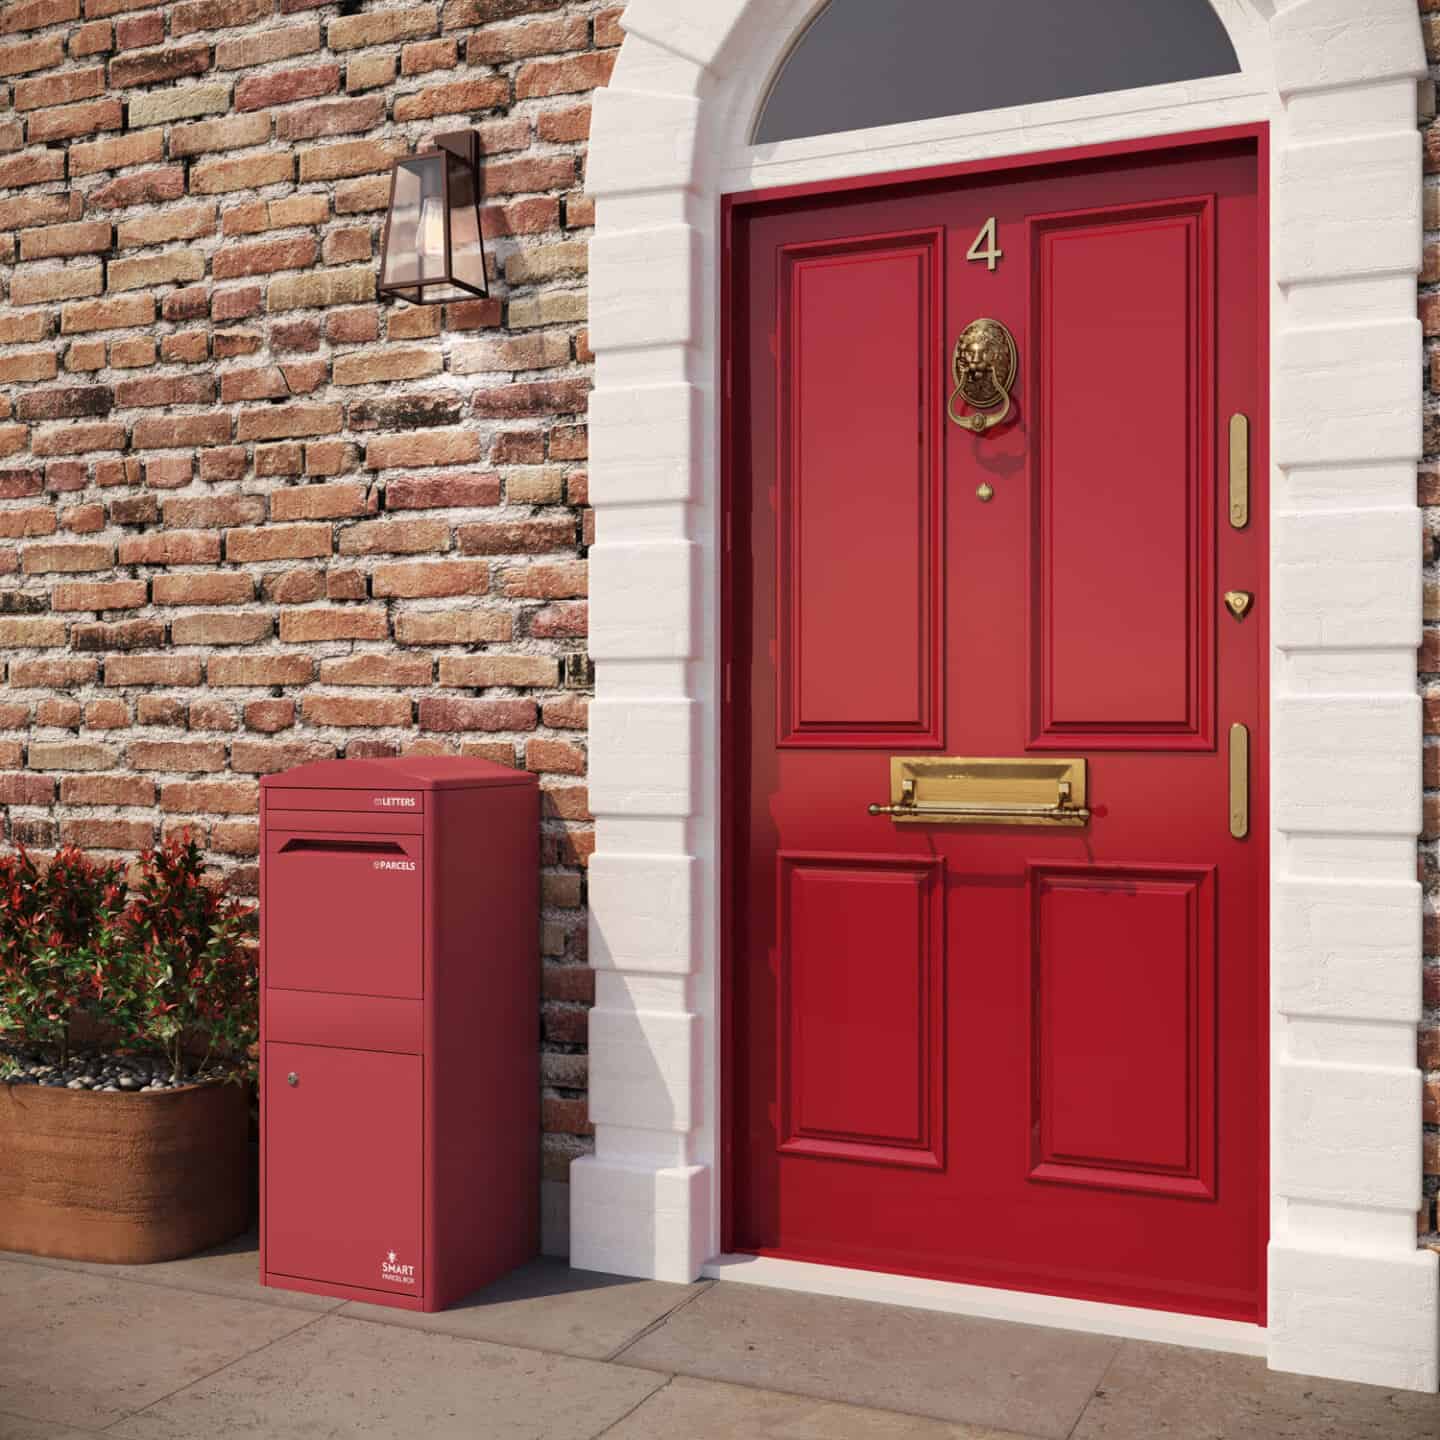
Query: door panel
(343, 913)
(862, 976)
(1123, 397)
(343, 1168)
(875, 303)
(1001, 1054)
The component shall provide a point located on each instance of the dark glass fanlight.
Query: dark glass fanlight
(433, 250)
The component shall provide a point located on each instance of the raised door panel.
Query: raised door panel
(344, 1175)
(343, 913)
(862, 977)
(1123, 1027)
(859, 499)
(1122, 631)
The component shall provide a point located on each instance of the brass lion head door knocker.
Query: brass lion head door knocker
(984, 368)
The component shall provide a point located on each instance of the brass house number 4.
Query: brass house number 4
(986, 246)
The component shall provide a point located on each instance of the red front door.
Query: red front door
(1023, 1050)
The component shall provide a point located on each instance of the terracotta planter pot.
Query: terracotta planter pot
(126, 1179)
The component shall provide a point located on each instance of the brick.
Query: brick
(30, 55)
(81, 238)
(274, 43)
(117, 635)
(316, 289)
(234, 132)
(563, 77)
(365, 72)
(413, 322)
(461, 97)
(152, 390)
(28, 365)
(266, 757)
(533, 173)
(260, 382)
(353, 197)
(276, 422)
(93, 39)
(395, 537)
(434, 447)
(73, 439)
(106, 790)
(168, 472)
(299, 335)
(64, 122)
(343, 246)
(144, 188)
(295, 587)
(337, 117)
(220, 628)
(65, 402)
(134, 510)
(547, 582)
(282, 459)
(517, 537)
(23, 211)
(191, 16)
(321, 502)
(380, 670)
(333, 623)
(111, 714)
(171, 547)
(474, 671)
(26, 789)
(608, 30)
(110, 313)
(37, 14)
(413, 410)
(108, 834)
(61, 89)
(353, 710)
(165, 269)
(212, 797)
(224, 463)
(31, 167)
(31, 632)
(355, 157)
(373, 367)
(174, 432)
(426, 56)
(235, 837)
(513, 352)
(277, 542)
(282, 87)
(140, 32)
(269, 716)
(70, 755)
(345, 585)
(121, 152)
(132, 352)
(25, 524)
(453, 714)
(37, 287)
(101, 595)
(151, 67)
(535, 398)
(238, 303)
(249, 172)
(164, 710)
(18, 329)
(559, 622)
(221, 587)
(178, 756)
(425, 492)
(259, 670)
(253, 217)
(163, 107)
(83, 519)
(266, 256)
(85, 355)
(352, 32)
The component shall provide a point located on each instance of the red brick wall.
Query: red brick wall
(248, 516)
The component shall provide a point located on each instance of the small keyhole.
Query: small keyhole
(292, 1078)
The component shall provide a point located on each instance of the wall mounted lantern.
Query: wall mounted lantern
(433, 250)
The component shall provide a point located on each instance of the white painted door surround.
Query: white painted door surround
(1350, 1295)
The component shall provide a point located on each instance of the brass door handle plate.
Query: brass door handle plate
(1239, 781)
(1239, 471)
(960, 790)
(983, 366)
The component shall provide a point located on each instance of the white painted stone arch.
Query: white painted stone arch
(1350, 1294)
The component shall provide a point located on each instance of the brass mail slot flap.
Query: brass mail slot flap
(959, 790)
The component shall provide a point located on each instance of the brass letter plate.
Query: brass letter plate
(959, 790)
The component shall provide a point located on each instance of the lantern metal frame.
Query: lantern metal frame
(462, 145)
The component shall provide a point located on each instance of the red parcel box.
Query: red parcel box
(399, 971)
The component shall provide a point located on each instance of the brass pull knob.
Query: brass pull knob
(292, 1078)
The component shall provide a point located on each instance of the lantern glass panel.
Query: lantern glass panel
(467, 255)
(415, 248)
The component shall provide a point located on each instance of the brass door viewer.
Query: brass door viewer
(984, 366)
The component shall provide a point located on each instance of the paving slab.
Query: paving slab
(708, 1410)
(341, 1377)
(84, 1350)
(548, 1306)
(232, 1269)
(1155, 1391)
(979, 1372)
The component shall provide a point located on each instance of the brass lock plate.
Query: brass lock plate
(970, 790)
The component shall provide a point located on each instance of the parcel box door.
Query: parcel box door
(344, 1166)
(343, 913)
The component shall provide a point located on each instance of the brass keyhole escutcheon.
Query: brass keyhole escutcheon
(1238, 603)
(983, 366)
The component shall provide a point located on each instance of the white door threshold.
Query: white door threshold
(1201, 1332)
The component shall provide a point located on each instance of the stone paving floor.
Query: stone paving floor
(198, 1349)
